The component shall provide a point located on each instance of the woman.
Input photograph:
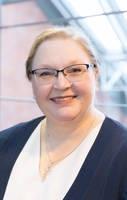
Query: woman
(74, 152)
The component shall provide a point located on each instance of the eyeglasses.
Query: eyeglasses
(73, 73)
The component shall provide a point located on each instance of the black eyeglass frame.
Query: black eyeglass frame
(62, 70)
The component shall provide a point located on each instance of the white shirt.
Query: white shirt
(25, 182)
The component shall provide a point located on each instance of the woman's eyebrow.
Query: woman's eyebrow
(44, 65)
(73, 62)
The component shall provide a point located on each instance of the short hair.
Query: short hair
(58, 33)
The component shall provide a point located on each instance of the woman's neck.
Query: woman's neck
(62, 131)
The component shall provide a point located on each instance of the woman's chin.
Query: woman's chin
(66, 116)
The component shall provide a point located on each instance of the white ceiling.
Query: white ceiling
(104, 22)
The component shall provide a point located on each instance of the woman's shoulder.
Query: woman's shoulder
(114, 132)
(16, 129)
(114, 125)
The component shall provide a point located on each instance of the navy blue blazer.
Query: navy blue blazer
(103, 175)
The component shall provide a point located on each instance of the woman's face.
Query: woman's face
(63, 100)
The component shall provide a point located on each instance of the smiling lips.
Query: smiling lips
(63, 99)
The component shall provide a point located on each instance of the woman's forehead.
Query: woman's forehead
(60, 46)
(60, 51)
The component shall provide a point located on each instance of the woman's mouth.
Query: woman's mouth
(63, 99)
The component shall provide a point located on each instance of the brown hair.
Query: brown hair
(55, 33)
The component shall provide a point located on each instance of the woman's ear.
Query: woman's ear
(97, 72)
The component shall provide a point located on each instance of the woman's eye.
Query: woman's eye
(75, 70)
(46, 73)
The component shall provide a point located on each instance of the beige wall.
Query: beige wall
(16, 104)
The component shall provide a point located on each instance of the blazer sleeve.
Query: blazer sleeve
(124, 178)
(124, 193)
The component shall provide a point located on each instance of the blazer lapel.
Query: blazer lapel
(14, 141)
(82, 183)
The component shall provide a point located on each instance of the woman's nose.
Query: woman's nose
(61, 82)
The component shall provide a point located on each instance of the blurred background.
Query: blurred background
(103, 22)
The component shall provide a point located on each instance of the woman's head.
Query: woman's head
(63, 71)
(58, 33)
